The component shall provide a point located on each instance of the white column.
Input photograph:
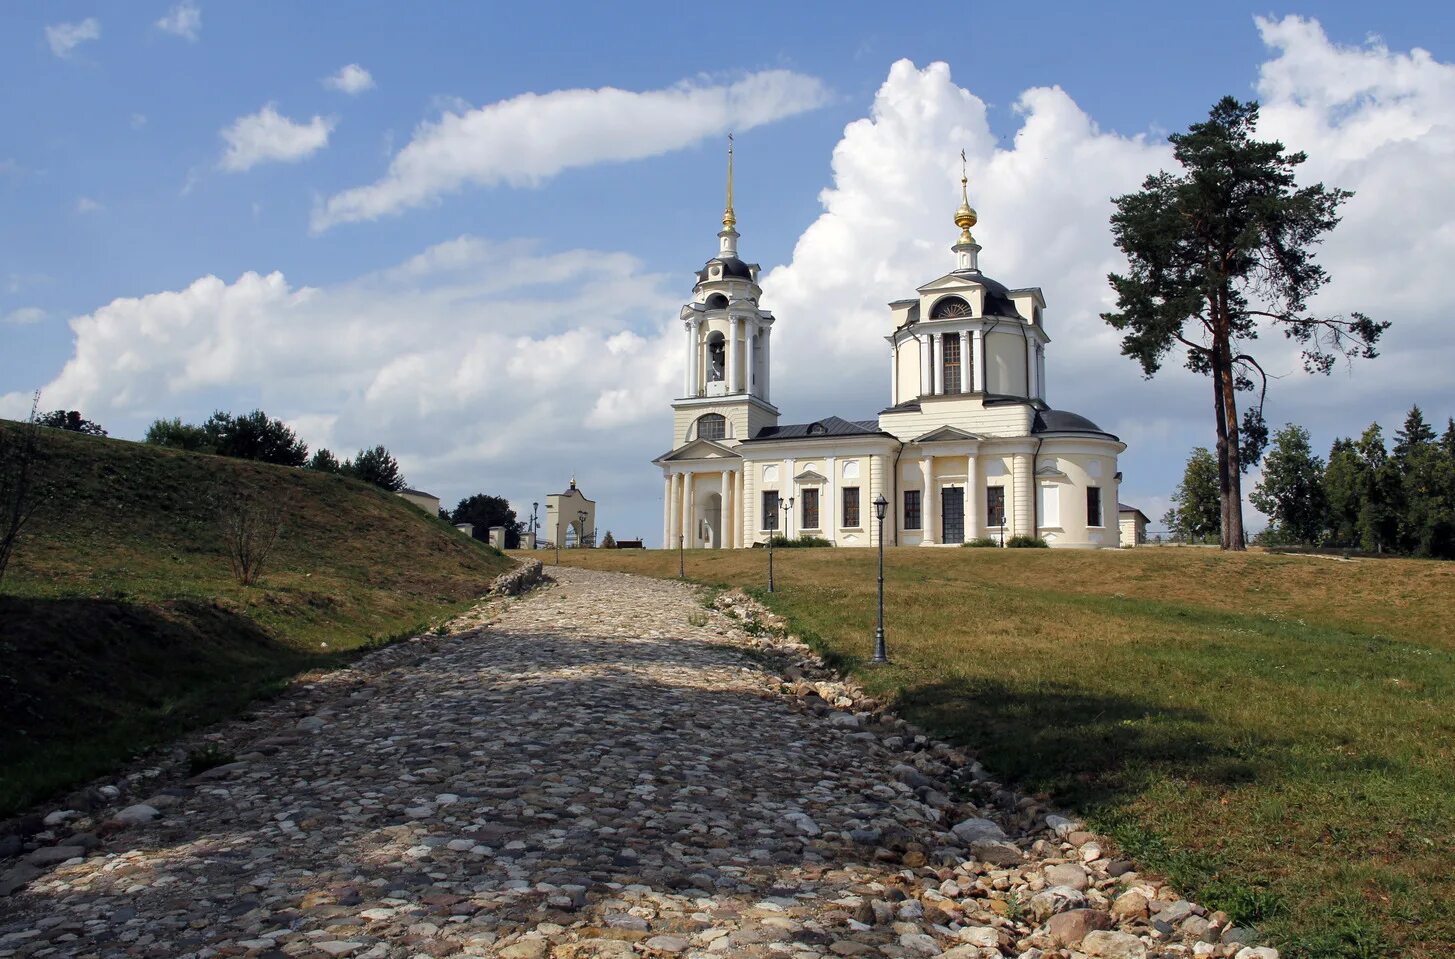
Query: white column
(979, 361)
(974, 496)
(1023, 489)
(932, 507)
(965, 383)
(926, 525)
(730, 537)
(926, 385)
(687, 363)
(765, 375)
(666, 509)
(832, 526)
(785, 490)
(937, 364)
(893, 376)
(732, 355)
(723, 511)
(686, 530)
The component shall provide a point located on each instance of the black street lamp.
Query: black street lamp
(681, 556)
(881, 506)
(534, 525)
(580, 529)
(787, 508)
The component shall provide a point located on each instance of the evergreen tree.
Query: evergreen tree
(608, 541)
(255, 436)
(376, 466)
(1426, 491)
(1378, 518)
(71, 420)
(325, 462)
(1197, 506)
(1219, 253)
(1343, 491)
(1291, 492)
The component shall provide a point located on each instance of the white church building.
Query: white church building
(967, 446)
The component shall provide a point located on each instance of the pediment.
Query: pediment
(810, 478)
(958, 282)
(947, 434)
(1052, 473)
(698, 450)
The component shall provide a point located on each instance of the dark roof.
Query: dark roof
(1124, 508)
(418, 492)
(997, 298)
(828, 426)
(1064, 421)
(731, 266)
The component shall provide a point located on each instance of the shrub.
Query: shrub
(174, 434)
(802, 542)
(980, 542)
(1027, 542)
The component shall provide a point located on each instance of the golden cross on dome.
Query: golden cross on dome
(729, 219)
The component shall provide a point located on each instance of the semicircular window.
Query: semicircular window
(949, 307)
(711, 426)
(817, 429)
(716, 302)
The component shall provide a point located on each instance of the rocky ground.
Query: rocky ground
(607, 768)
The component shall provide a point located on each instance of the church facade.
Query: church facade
(966, 448)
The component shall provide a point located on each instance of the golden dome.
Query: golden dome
(965, 217)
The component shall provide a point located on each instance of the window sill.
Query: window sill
(852, 529)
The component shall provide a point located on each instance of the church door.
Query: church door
(952, 513)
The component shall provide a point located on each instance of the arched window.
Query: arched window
(711, 426)
(949, 307)
(716, 357)
(717, 302)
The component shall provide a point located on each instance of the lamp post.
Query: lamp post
(881, 505)
(534, 525)
(681, 556)
(786, 507)
(580, 529)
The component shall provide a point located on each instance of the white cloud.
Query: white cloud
(528, 139)
(84, 204)
(267, 136)
(65, 37)
(352, 79)
(183, 20)
(24, 316)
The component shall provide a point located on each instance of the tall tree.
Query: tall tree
(376, 466)
(1344, 492)
(174, 434)
(325, 462)
(1196, 508)
(1378, 520)
(1218, 253)
(256, 436)
(1291, 492)
(484, 511)
(1425, 474)
(72, 421)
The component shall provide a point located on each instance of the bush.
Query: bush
(1027, 542)
(176, 435)
(980, 542)
(802, 542)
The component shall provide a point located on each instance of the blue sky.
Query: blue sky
(115, 184)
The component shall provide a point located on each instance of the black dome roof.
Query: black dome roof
(731, 267)
(1064, 421)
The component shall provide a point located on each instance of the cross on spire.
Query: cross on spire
(729, 219)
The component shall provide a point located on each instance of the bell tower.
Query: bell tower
(725, 380)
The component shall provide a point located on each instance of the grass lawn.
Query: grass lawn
(1275, 734)
(121, 625)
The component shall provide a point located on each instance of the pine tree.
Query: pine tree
(1423, 471)
(1378, 486)
(1291, 492)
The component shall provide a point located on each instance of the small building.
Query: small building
(1133, 525)
(467, 528)
(428, 502)
(565, 522)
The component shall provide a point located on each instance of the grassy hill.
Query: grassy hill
(121, 624)
(1273, 733)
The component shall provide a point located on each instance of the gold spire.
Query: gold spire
(729, 220)
(965, 217)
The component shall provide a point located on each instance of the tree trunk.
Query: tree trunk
(1232, 483)
(1216, 358)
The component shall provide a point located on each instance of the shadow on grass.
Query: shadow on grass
(86, 684)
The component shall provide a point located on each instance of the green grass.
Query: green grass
(1272, 733)
(121, 625)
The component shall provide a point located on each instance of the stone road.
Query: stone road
(607, 769)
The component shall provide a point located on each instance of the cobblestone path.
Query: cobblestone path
(604, 771)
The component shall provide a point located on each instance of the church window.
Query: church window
(949, 307)
(911, 509)
(1049, 504)
(851, 506)
(1093, 506)
(770, 509)
(711, 426)
(809, 499)
(951, 354)
(995, 506)
(716, 358)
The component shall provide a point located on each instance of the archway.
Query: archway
(712, 521)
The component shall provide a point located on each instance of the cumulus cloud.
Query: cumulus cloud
(269, 137)
(64, 38)
(528, 139)
(184, 20)
(352, 79)
(471, 361)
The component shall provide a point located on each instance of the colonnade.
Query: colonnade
(745, 374)
(685, 503)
